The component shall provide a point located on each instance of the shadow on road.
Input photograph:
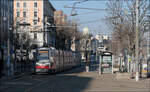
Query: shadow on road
(65, 83)
(74, 70)
(82, 68)
(59, 82)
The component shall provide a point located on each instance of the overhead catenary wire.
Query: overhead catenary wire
(87, 8)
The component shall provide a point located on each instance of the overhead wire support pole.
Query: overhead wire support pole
(137, 42)
(148, 42)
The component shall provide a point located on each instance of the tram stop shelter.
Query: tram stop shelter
(106, 62)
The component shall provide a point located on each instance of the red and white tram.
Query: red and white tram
(50, 60)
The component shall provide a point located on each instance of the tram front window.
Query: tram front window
(43, 57)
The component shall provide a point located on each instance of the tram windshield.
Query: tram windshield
(42, 56)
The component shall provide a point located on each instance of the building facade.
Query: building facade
(60, 18)
(6, 21)
(39, 14)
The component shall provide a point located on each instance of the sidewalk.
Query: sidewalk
(109, 83)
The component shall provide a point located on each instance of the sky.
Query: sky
(99, 26)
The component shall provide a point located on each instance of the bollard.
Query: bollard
(137, 76)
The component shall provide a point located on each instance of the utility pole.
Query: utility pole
(87, 59)
(148, 43)
(45, 30)
(8, 50)
(137, 42)
(100, 67)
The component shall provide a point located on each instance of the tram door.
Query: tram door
(106, 63)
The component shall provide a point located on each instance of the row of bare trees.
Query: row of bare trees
(22, 40)
(122, 17)
(66, 35)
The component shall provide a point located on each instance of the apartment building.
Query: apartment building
(60, 18)
(39, 14)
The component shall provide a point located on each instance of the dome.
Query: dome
(86, 31)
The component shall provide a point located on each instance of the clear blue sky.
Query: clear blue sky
(98, 27)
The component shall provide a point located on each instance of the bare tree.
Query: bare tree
(21, 38)
(66, 34)
(122, 19)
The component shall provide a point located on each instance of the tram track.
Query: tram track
(34, 79)
(42, 83)
(62, 74)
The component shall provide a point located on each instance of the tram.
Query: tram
(50, 60)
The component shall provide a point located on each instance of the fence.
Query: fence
(23, 67)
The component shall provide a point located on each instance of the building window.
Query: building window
(24, 14)
(24, 4)
(35, 4)
(35, 14)
(35, 35)
(35, 22)
(18, 14)
(18, 4)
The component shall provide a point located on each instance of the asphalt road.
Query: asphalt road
(75, 80)
(60, 82)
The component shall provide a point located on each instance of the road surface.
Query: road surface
(75, 80)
